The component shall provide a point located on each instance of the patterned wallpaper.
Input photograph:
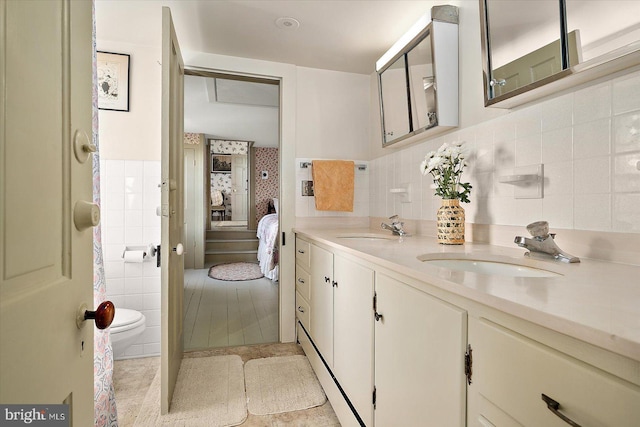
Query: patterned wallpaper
(193, 138)
(266, 189)
(229, 147)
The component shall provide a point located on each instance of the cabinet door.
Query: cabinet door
(511, 373)
(322, 302)
(353, 333)
(419, 358)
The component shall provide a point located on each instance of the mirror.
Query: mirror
(538, 38)
(604, 25)
(418, 80)
(423, 85)
(393, 100)
(532, 49)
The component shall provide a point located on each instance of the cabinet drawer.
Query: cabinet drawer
(303, 253)
(303, 311)
(302, 283)
(511, 373)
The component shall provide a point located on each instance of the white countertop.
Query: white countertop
(595, 301)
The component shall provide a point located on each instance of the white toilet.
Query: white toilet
(126, 327)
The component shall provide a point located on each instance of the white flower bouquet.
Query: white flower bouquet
(446, 166)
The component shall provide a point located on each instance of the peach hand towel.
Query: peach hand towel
(333, 182)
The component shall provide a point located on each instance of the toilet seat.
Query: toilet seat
(126, 319)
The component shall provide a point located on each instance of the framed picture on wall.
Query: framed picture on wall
(113, 81)
(221, 163)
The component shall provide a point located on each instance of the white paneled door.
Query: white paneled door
(46, 215)
(239, 183)
(172, 224)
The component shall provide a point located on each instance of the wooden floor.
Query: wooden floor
(221, 313)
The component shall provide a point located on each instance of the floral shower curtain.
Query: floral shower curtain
(105, 413)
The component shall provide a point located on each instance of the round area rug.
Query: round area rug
(235, 271)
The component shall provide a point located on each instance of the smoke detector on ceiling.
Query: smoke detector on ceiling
(287, 23)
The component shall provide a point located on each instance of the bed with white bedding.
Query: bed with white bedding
(268, 245)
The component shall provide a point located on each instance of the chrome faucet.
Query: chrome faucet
(395, 226)
(543, 242)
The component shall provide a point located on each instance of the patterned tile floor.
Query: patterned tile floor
(133, 377)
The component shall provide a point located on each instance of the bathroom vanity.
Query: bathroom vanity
(398, 340)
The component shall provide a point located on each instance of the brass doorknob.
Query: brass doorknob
(103, 315)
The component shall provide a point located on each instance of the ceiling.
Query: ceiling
(341, 35)
(242, 115)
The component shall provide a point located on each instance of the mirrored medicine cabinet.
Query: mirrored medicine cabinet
(532, 49)
(418, 79)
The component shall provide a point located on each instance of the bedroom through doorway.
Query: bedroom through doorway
(236, 119)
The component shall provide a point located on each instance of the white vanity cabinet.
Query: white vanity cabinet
(419, 357)
(353, 333)
(411, 360)
(303, 283)
(381, 334)
(322, 302)
(512, 372)
(341, 299)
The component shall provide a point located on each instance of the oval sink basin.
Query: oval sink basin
(492, 265)
(367, 236)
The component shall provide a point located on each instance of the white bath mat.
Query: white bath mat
(281, 384)
(209, 392)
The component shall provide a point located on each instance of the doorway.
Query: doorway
(238, 119)
(231, 182)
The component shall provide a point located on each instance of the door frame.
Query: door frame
(252, 224)
(198, 62)
(251, 207)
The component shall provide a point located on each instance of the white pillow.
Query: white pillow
(275, 204)
(216, 198)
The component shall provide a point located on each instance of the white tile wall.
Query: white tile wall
(130, 195)
(306, 205)
(588, 140)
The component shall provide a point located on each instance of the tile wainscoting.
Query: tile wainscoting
(588, 141)
(130, 195)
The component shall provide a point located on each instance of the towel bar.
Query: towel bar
(304, 165)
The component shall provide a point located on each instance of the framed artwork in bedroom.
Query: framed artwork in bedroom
(113, 81)
(221, 163)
